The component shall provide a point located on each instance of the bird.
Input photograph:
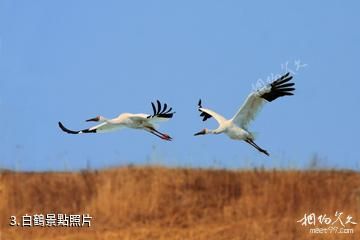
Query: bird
(135, 121)
(237, 127)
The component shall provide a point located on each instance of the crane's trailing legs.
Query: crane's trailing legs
(252, 143)
(159, 134)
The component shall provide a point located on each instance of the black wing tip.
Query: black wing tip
(280, 88)
(281, 80)
(75, 132)
(271, 96)
(165, 115)
(203, 114)
(159, 106)
(63, 128)
(205, 118)
(289, 89)
(159, 111)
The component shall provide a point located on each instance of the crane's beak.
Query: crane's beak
(202, 132)
(95, 119)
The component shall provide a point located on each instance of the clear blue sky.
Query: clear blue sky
(72, 60)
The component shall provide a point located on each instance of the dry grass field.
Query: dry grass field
(164, 203)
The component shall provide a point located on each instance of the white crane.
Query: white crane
(130, 120)
(237, 127)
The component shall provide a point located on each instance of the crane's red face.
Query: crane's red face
(202, 132)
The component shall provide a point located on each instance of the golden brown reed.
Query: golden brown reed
(163, 203)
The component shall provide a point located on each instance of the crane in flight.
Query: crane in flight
(136, 121)
(237, 127)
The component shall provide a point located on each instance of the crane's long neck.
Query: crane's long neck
(209, 131)
(215, 131)
(102, 119)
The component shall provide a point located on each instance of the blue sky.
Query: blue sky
(72, 60)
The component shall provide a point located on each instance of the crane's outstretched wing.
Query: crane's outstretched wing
(255, 100)
(160, 113)
(100, 128)
(207, 113)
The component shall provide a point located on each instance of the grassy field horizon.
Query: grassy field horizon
(139, 202)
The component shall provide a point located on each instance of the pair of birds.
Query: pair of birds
(236, 127)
